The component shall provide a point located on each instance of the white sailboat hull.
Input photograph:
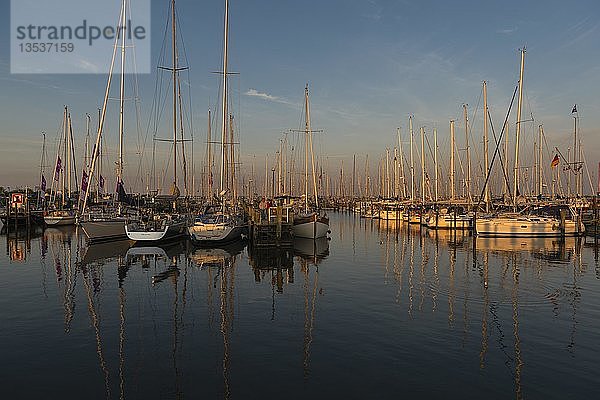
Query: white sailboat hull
(315, 227)
(449, 221)
(202, 235)
(104, 230)
(390, 214)
(170, 231)
(527, 227)
(56, 220)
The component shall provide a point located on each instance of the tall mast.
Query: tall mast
(519, 109)
(174, 60)
(395, 173)
(540, 162)
(435, 162)
(354, 174)
(452, 185)
(102, 115)
(70, 163)
(209, 157)
(575, 154)
(504, 180)
(224, 97)
(412, 161)
(387, 173)
(403, 181)
(65, 156)
(468, 150)
(367, 177)
(306, 129)
(42, 166)
(423, 165)
(312, 154)
(122, 27)
(486, 161)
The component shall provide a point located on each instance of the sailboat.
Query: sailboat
(63, 214)
(106, 225)
(310, 224)
(219, 227)
(531, 224)
(162, 227)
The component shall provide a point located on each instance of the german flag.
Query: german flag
(555, 161)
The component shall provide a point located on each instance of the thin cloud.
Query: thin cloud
(268, 97)
(39, 85)
(507, 31)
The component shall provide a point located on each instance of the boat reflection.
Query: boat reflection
(276, 262)
(102, 253)
(312, 250)
(549, 249)
(216, 257)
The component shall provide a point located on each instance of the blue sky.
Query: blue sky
(369, 64)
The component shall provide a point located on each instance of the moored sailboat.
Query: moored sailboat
(310, 223)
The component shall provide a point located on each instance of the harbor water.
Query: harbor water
(381, 310)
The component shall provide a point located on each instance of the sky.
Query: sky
(369, 65)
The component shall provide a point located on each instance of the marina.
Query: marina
(231, 203)
(394, 303)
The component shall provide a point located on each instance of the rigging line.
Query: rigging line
(498, 142)
(588, 173)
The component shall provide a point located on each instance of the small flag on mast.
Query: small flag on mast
(574, 110)
(58, 169)
(555, 161)
(84, 181)
(43, 184)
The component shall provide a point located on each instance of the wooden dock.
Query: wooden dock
(272, 227)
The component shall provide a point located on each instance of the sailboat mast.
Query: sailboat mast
(209, 157)
(468, 150)
(174, 55)
(540, 162)
(312, 153)
(423, 165)
(402, 178)
(42, 166)
(412, 161)
(122, 27)
(452, 185)
(306, 128)
(65, 159)
(224, 96)
(518, 133)
(435, 162)
(486, 161)
(102, 116)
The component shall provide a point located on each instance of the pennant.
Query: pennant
(43, 184)
(555, 161)
(574, 110)
(84, 182)
(58, 169)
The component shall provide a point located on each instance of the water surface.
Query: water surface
(379, 311)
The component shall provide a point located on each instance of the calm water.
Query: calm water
(379, 311)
